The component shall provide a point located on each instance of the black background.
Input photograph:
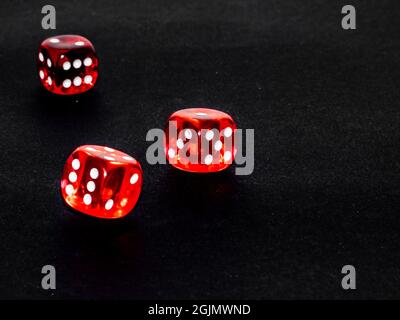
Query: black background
(324, 103)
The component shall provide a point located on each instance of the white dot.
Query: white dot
(109, 204)
(179, 143)
(77, 63)
(218, 145)
(76, 164)
(188, 134)
(134, 178)
(79, 43)
(87, 79)
(209, 135)
(127, 158)
(72, 177)
(87, 199)
(87, 62)
(228, 132)
(69, 189)
(109, 149)
(67, 83)
(171, 153)
(66, 65)
(49, 81)
(54, 40)
(91, 186)
(77, 81)
(94, 173)
(201, 114)
(48, 62)
(208, 159)
(109, 158)
(91, 149)
(41, 74)
(227, 155)
(41, 58)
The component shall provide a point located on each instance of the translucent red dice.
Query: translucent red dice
(101, 182)
(67, 64)
(200, 140)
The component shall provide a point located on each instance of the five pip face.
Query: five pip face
(67, 64)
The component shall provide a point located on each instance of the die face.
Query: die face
(200, 140)
(101, 182)
(67, 64)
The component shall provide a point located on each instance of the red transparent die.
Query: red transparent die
(200, 140)
(67, 64)
(101, 182)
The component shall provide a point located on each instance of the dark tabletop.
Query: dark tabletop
(324, 103)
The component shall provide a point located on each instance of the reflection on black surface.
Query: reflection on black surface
(53, 105)
(200, 194)
(195, 222)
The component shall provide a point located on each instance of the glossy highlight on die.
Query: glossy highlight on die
(101, 182)
(67, 64)
(200, 140)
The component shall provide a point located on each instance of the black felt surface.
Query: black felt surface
(324, 104)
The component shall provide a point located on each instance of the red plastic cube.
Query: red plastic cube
(200, 140)
(101, 182)
(67, 64)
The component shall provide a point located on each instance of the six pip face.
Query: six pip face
(67, 64)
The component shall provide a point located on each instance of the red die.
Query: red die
(67, 64)
(101, 181)
(200, 140)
